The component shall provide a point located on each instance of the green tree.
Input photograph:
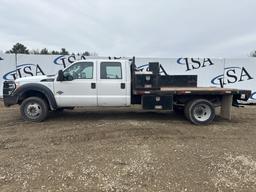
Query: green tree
(55, 52)
(34, 52)
(19, 48)
(44, 51)
(86, 53)
(64, 51)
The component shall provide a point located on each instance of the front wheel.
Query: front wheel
(34, 109)
(200, 111)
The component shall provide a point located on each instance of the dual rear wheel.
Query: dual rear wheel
(200, 111)
(197, 111)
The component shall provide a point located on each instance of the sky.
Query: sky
(145, 28)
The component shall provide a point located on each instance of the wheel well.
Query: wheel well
(33, 93)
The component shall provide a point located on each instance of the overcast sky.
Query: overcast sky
(159, 28)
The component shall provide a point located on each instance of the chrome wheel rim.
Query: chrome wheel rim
(33, 110)
(202, 112)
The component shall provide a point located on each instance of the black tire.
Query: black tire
(34, 109)
(200, 111)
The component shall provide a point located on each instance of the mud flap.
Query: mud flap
(226, 106)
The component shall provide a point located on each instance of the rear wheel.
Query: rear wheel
(34, 109)
(200, 111)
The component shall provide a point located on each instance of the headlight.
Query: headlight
(9, 87)
(12, 86)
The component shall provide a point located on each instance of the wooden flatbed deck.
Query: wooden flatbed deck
(192, 90)
(201, 90)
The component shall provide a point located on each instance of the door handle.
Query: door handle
(122, 85)
(93, 85)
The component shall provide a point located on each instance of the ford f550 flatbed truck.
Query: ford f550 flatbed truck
(119, 83)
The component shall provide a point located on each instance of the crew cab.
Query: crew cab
(118, 83)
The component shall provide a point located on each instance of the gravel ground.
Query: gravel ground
(127, 150)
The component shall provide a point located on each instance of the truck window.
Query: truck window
(110, 70)
(81, 70)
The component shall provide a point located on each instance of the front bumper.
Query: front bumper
(8, 96)
(10, 100)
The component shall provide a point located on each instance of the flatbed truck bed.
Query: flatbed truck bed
(157, 90)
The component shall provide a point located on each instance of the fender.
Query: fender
(19, 92)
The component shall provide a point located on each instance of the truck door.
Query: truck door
(79, 86)
(112, 84)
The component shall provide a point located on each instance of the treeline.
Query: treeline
(22, 49)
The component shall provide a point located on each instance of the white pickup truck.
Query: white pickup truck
(118, 83)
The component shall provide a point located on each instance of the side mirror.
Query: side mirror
(60, 76)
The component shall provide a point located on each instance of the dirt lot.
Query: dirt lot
(126, 150)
